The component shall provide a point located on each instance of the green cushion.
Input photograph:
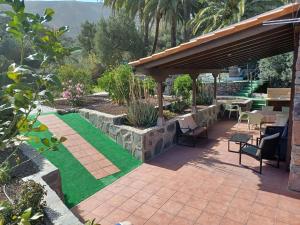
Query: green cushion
(250, 150)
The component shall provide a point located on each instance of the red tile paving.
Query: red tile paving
(198, 186)
(96, 163)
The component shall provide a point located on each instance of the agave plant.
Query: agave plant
(141, 114)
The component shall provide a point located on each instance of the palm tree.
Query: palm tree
(216, 14)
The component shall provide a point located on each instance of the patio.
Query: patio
(202, 185)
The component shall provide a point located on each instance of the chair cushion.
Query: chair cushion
(268, 138)
(187, 122)
(251, 150)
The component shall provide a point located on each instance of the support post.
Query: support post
(160, 120)
(215, 75)
(194, 92)
(293, 153)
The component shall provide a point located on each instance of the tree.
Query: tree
(217, 14)
(86, 36)
(28, 85)
(117, 40)
(277, 70)
(134, 8)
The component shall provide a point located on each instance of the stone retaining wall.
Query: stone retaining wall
(144, 144)
(229, 88)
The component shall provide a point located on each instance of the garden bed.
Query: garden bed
(100, 103)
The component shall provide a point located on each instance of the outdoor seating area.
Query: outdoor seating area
(200, 185)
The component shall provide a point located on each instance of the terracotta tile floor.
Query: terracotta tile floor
(200, 186)
(96, 163)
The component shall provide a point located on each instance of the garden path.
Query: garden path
(95, 162)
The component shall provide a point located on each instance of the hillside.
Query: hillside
(71, 13)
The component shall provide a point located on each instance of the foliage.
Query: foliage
(142, 114)
(277, 70)
(178, 106)
(117, 40)
(204, 94)
(169, 115)
(28, 208)
(70, 74)
(86, 36)
(73, 93)
(28, 84)
(119, 83)
(149, 86)
(4, 174)
(182, 87)
(31, 196)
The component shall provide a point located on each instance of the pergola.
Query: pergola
(237, 44)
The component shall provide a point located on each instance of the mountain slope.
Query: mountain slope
(71, 13)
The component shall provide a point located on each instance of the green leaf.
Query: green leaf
(14, 76)
(43, 127)
(26, 214)
(46, 142)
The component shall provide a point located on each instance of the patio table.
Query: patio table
(240, 138)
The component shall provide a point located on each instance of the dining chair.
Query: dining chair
(231, 109)
(242, 115)
(267, 108)
(255, 119)
(285, 109)
(281, 119)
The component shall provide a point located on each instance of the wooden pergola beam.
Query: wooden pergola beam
(232, 47)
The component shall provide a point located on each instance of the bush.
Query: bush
(182, 87)
(204, 94)
(29, 202)
(73, 93)
(178, 106)
(149, 86)
(141, 114)
(120, 84)
(70, 73)
(4, 174)
(31, 196)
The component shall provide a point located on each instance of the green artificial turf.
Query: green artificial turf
(77, 182)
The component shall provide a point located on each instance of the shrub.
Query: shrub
(149, 86)
(31, 196)
(182, 87)
(73, 93)
(4, 174)
(120, 84)
(204, 94)
(141, 114)
(169, 115)
(178, 106)
(70, 73)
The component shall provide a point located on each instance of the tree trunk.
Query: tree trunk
(146, 33)
(186, 18)
(173, 30)
(158, 17)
